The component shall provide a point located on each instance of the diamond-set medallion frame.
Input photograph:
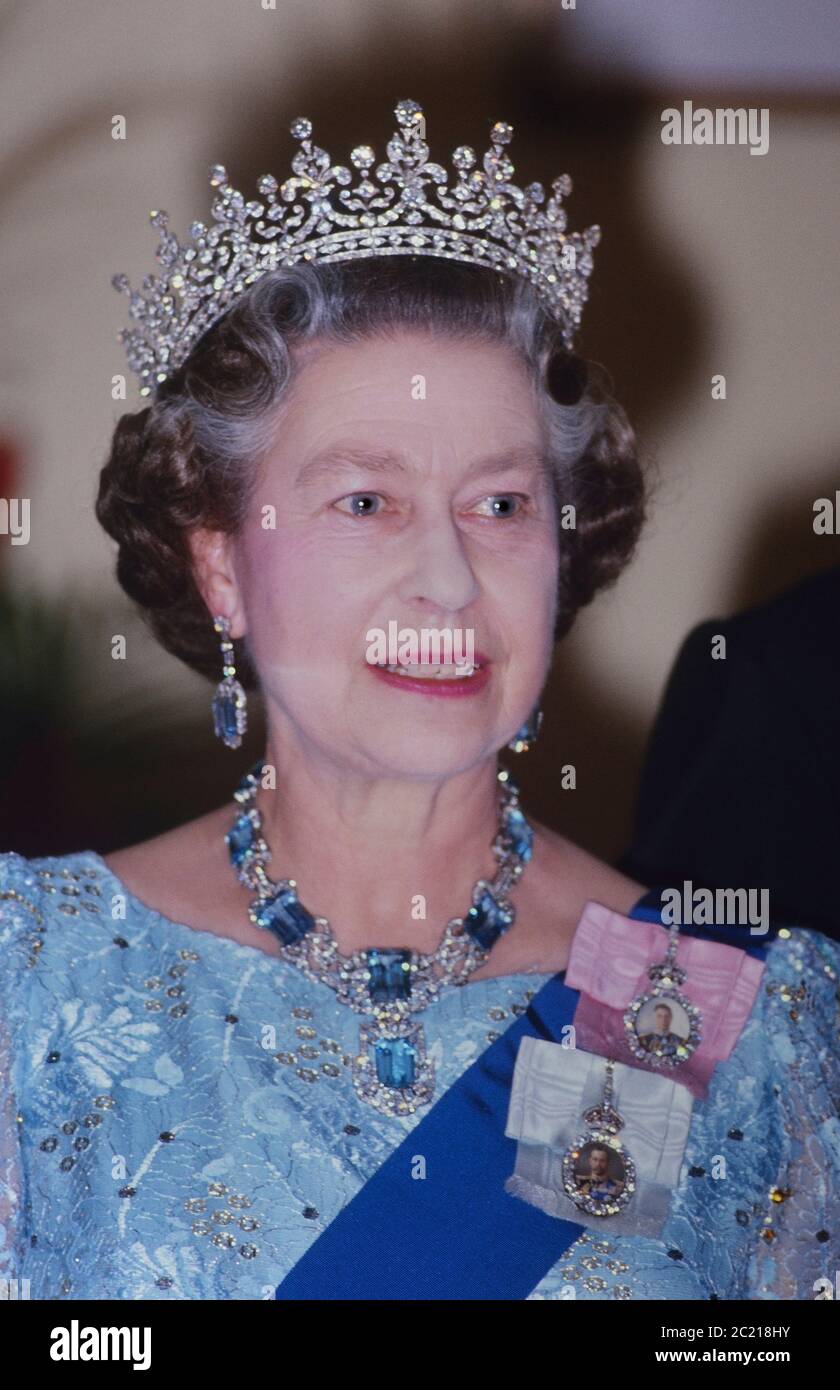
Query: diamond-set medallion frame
(571, 1179)
(687, 1046)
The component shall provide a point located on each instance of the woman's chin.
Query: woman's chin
(426, 753)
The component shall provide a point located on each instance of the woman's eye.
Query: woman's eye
(360, 503)
(504, 504)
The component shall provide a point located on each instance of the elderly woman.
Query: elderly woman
(369, 1032)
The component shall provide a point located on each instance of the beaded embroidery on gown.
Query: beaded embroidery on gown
(179, 1122)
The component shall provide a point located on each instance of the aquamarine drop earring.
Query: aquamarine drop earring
(527, 736)
(230, 719)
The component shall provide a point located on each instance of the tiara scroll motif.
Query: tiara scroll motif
(408, 207)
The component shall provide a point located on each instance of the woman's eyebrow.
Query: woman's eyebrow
(347, 459)
(506, 460)
(340, 459)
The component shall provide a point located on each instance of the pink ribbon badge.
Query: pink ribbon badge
(608, 963)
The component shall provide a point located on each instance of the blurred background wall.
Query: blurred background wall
(713, 261)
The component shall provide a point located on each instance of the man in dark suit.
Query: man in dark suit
(741, 784)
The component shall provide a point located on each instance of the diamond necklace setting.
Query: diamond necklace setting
(389, 985)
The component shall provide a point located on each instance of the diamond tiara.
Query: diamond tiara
(406, 206)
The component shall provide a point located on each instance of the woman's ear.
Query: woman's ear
(215, 576)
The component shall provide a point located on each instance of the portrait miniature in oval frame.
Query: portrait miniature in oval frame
(662, 1027)
(598, 1174)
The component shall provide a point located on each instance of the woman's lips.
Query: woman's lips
(445, 687)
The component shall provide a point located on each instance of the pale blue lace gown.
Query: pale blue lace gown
(179, 1121)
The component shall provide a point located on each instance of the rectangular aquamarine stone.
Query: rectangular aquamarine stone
(520, 833)
(285, 916)
(390, 976)
(240, 838)
(224, 717)
(486, 920)
(396, 1062)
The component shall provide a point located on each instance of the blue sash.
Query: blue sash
(456, 1234)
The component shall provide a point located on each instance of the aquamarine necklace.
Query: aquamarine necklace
(391, 1070)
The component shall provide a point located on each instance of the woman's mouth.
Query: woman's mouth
(435, 678)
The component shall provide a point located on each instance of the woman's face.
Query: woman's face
(406, 487)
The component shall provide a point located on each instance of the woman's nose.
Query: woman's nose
(437, 569)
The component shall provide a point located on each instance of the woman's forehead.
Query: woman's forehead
(378, 363)
(408, 397)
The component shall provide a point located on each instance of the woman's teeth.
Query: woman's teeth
(439, 673)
